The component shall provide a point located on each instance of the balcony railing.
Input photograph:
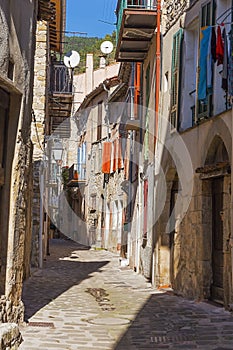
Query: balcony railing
(76, 177)
(132, 4)
(60, 79)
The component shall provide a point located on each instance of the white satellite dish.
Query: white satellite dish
(72, 59)
(106, 47)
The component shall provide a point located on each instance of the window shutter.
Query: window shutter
(175, 77)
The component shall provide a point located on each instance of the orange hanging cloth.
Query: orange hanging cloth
(106, 159)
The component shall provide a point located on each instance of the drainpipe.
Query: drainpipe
(158, 63)
(231, 237)
(107, 109)
(108, 132)
(129, 250)
(41, 227)
(157, 95)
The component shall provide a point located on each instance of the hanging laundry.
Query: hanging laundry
(211, 57)
(225, 62)
(219, 47)
(204, 50)
(213, 44)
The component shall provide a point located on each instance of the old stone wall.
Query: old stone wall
(183, 258)
(10, 337)
(18, 47)
(38, 130)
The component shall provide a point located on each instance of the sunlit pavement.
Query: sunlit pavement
(83, 299)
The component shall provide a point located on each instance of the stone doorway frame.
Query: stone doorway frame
(216, 165)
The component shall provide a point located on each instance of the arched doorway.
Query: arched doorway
(216, 205)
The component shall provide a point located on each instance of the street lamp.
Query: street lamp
(57, 150)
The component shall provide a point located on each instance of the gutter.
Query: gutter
(158, 65)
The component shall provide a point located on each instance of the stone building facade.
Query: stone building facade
(194, 254)
(49, 77)
(183, 205)
(100, 196)
(16, 85)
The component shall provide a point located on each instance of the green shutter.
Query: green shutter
(175, 76)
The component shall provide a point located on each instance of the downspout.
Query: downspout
(157, 95)
(231, 218)
(105, 187)
(107, 109)
(157, 72)
(41, 227)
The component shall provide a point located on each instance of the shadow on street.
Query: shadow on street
(171, 322)
(60, 272)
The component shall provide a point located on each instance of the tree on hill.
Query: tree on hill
(85, 45)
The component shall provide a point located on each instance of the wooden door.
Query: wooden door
(174, 194)
(217, 241)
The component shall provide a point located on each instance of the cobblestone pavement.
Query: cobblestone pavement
(82, 299)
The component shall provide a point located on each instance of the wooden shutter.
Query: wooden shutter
(175, 77)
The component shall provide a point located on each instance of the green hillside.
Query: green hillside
(86, 45)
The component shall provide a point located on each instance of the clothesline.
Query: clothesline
(221, 24)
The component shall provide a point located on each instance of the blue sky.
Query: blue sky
(84, 16)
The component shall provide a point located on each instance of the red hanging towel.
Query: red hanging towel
(219, 47)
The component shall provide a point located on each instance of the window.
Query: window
(176, 77)
(82, 161)
(99, 121)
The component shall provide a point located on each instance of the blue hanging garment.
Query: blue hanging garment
(204, 73)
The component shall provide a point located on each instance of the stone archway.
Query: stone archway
(215, 176)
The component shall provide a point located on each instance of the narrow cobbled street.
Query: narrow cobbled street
(83, 299)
